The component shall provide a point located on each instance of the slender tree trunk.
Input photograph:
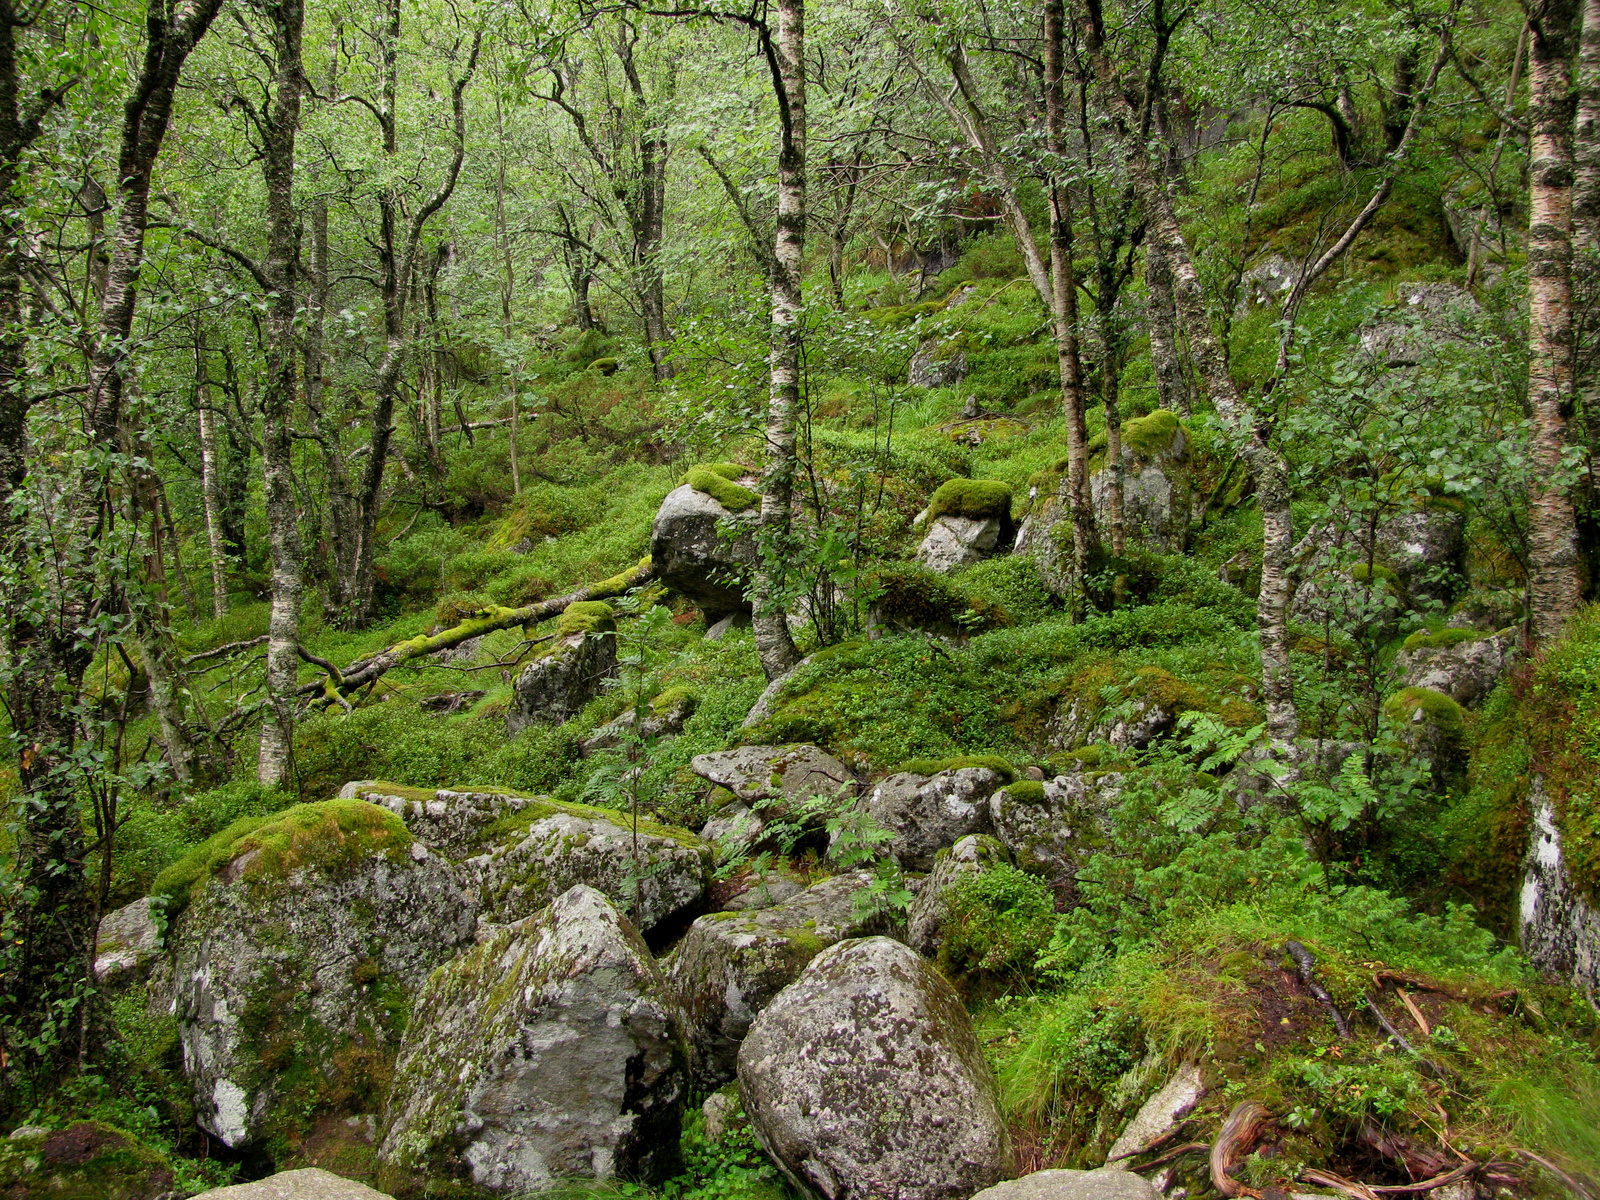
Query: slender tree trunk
(339, 508)
(1172, 386)
(279, 129)
(1586, 241)
(1555, 587)
(508, 290)
(774, 643)
(648, 213)
(210, 484)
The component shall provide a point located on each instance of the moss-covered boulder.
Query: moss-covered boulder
(925, 814)
(546, 847)
(701, 548)
(453, 822)
(966, 521)
(778, 781)
(917, 599)
(1433, 727)
(569, 672)
(664, 717)
(1465, 664)
(730, 965)
(1146, 710)
(1156, 492)
(300, 942)
(938, 363)
(86, 1161)
(971, 855)
(1051, 828)
(864, 1078)
(549, 1051)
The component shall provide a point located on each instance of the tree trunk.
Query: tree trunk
(279, 128)
(508, 290)
(1555, 587)
(774, 643)
(1166, 363)
(1586, 242)
(339, 508)
(210, 484)
(648, 213)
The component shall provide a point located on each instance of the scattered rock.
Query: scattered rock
(693, 558)
(762, 708)
(1424, 548)
(308, 1183)
(734, 830)
(936, 365)
(1072, 1185)
(128, 942)
(927, 813)
(1050, 828)
(451, 822)
(552, 847)
(863, 1078)
(925, 923)
(1425, 315)
(665, 718)
(445, 703)
(764, 892)
(294, 964)
(1046, 535)
(1434, 727)
(570, 673)
(731, 964)
(780, 780)
(723, 1113)
(1557, 926)
(549, 1051)
(955, 542)
(720, 629)
(1159, 1116)
(1269, 281)
(1464, 665)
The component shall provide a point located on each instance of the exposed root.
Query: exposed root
(1307, 963)
(1238, 1134)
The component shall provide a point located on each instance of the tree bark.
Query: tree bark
(1166, 363)
(210, 484)
(647, 212)
(508, 289)
(1586, 242)
(1555, 588)
(786, 57)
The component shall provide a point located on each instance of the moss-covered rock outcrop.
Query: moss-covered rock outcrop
(89, 1160)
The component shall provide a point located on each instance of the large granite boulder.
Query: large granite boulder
(569, 672)
(1050, 828)
(779, 781)
(1072, 1185)
(966, 521)
(1557, 924)
(307, 1183)
(937, 364)
(864, 1078)
(127, 943)
(695, 558)
(1424, 318)
(548, 847)
(1156, 494)
(924, 814)
(451, 821)
(925, 922)
(549, 1051)
(1464, 664)
(302, 944)
(730, 965)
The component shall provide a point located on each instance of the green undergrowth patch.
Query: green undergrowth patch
(1012, 584)
(932, 766)
(910, 596)
(997, 922)
(159, 832)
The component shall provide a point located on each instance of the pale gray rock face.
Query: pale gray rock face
(928, 370)
(864, 1079)
(1072, 1185)
(734, 830)
(925, 922)
(777, 779)
(762, 708)
(1134, 727)
(568, 844)
(955, 542)
(555, 687)
(1159, 1115)
(310, 966)
(928, 813)
(551, 1050)
(1466, 672)
(450, 822)
(765, 892)
(1155, 495)
(730, 965)
(1558, 927)
(655, 725)
(1267, 282)
(694, 559)
(127, 943)
(1427, 315)
(1046, 535)
(308, 1183)
(1051, 838)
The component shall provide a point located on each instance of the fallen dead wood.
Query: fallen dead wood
(1238, 1134)
(1164, 1159)
(1307, 963)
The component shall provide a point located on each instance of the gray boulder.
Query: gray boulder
(735, 831)
(1045, 535)
(1466, 671)
(955, 542)
(1134, 725)
(548, 1051)
(567, 676)
(864, 1079)
(1158, 1117)
(763, 891)
(1424, 317)
(932, 366)
(1156, 493)
(451, 822)
(295, 963)
(692, 556)
(730, 965)
(664, 719)
(926, 814)
(777, 780)
(1557, 925)
(1072, 1185)
(308, 1183)
(127, 943)
(1050, 829)
(552, 847)
(925, 922)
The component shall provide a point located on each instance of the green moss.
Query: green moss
(604, 366)
(932, 766)
(624, 581)
(674, 698)
(975, 498)
(89, 1160)
(586, 616)
(334, 836)
(513, 824)
(997, 920)
(1445, 714)
(1026, 791)
(1443, 639)
(913, 597)
(1151, 435)
(711, 482)
(728, 470)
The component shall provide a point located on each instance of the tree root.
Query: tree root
(1238, 1134)
(1307, 963)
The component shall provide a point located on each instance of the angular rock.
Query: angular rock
(925, 922)
(558, 684)
(552, 847)
(1156, 495)
(1072, 1185)
(730, 965)
(451, 822)
(549, 1051)
(764, 891)
(693, 558)
(863, 1078)
(1159, 1115)
(1046, 535)
(929, 369)
(778, 780)
(1424, 548)
(1466, 671)
(443, 704)
(1050, 830)
(954, 542)
(308, 1183)
(1432, 726)
(1558, 927)
(127, 943)
(926, 814)
(294, 963)
(1426, 316)
(735, 831)
(1131, 726)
